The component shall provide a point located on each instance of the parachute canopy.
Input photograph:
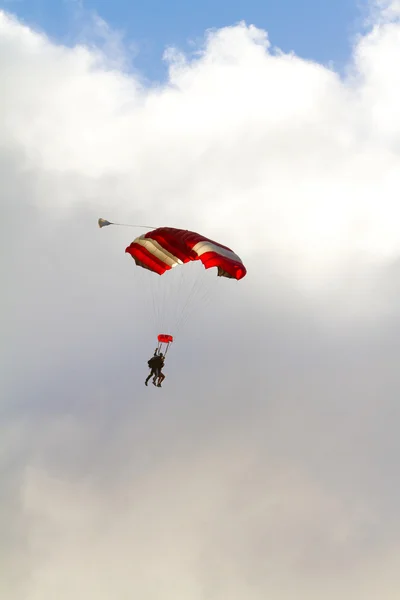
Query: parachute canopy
(166, 247)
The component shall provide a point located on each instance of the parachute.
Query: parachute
(165, 248)
(177, 291)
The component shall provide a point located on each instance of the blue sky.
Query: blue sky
(314, 29)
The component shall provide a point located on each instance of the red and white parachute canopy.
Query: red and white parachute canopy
(166, 247)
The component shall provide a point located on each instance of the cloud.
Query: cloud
(267, 464)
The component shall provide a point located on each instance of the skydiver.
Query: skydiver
(160, 375)
(161, 378)
(155, 363)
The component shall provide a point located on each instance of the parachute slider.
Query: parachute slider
(165, 338)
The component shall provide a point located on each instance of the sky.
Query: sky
(322, 31)
(267, 465)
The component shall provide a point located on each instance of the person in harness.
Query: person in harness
(156, 363)
(161, 375)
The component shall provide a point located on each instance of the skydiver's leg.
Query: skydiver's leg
(151, 373)
(160, 379)
(155, 373)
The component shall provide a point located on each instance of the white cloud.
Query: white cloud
(267, 465)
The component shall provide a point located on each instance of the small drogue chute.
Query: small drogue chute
(104, 223)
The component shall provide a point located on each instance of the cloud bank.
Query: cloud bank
(267, 465)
